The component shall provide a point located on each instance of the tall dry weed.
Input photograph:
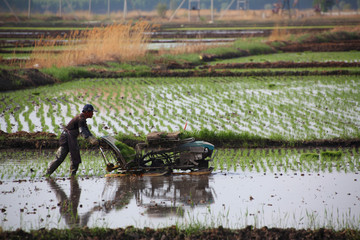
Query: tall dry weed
(115, 42)
(279, 34)
(354, 29)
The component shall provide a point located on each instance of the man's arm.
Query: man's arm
(85, 133)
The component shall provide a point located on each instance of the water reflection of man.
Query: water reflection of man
(69, 205)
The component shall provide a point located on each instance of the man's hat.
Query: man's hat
(88, 108)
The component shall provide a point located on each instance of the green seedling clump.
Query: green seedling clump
(127, 151)
(331, 154)
(309, 156)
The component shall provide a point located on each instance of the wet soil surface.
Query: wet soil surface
(162, 34)
(44, 140)
(27, 140)
(283, 64)
(174, 233)
(349, 45)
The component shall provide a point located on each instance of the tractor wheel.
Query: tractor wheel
(152, 159)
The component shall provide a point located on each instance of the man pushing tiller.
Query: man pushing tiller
(68, 141)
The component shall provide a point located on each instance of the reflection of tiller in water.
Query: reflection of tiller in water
(160, 154)
(160, 196)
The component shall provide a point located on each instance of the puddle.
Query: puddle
(231, 199)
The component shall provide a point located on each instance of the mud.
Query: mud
(160, 34)
(36, 140)
(24, 78)
(349, 45)
(43, 140)
(282, 64)
(175, 233)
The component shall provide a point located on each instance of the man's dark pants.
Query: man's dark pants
(68, 143)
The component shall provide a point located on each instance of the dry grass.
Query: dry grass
(355, 29)
(279, 34)
(115, 42)
(336, 33)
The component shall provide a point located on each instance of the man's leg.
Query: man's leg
(59, 158)
(74, 156)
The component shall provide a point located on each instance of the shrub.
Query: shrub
(161, 9)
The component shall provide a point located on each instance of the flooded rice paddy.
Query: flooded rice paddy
(286, 192)
(291, 108)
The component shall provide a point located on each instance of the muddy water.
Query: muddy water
(231, 199)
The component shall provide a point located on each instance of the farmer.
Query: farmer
(68, 141)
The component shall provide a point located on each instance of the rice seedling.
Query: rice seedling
(8, 122)
(290, 114)
(242, 159)
(311, 156)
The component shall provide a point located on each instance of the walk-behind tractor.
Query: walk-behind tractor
(160, 154)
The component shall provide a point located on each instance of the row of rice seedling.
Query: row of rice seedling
(33, 164)
(281, 108)
(352, 56)
(285, 160)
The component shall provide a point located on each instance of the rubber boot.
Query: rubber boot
(73, 169)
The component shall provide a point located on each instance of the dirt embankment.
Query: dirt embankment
(23, 78)
(36, 140)
(174, 233)
(282, 64)
(348, 45)
(43, 140)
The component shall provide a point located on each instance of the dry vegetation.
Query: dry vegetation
(114, 42)
(118, 42)
(353, 29)
(279, 34)
(337, 33)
